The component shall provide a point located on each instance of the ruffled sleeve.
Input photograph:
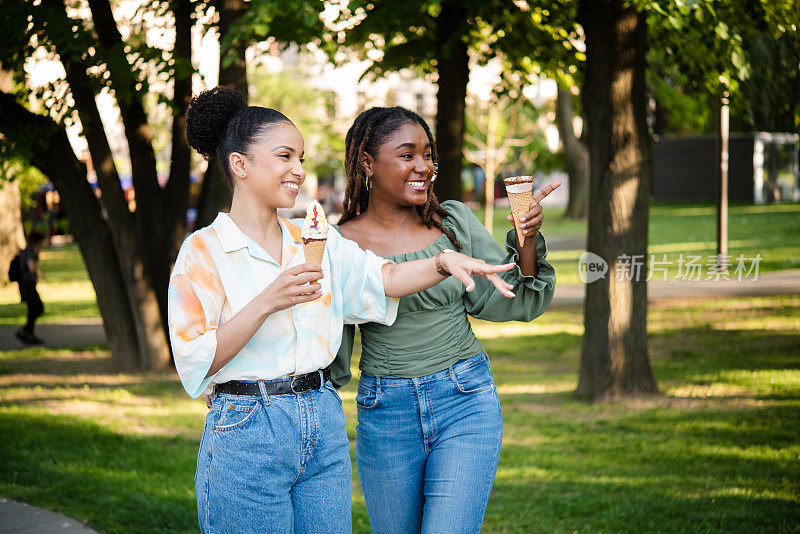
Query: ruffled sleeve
(533, 293)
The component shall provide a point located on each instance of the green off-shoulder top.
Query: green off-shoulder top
(432, 329)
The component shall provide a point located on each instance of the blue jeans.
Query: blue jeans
(275, 464)
(427, 448)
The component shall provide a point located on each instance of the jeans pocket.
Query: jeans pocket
(367, 397)
(330, 387)
(235, 414)
(202, 452)
(475, 378)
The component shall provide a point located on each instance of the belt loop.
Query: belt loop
(263, 391)
(321, 379)
(378, 385)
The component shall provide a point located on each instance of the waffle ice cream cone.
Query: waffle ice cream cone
(314, 233)
(313, 250)
(519, 189)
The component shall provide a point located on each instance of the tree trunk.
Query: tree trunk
(53, 155)
(155, 231)
(175, 197)
(614, 359)
(214, 194)
(453, 69)
(12, 237)
(144, 310)
(576, 157)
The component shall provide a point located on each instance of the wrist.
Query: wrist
(266, 305)
(441, 264)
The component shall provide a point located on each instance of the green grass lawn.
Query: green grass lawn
(718, 451)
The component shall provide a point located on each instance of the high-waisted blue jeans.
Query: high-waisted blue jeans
(275, 464)
(427, 448)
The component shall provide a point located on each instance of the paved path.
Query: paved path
(774, 283)
(86, 332)
(19, 518)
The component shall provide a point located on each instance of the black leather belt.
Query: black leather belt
(295, 384)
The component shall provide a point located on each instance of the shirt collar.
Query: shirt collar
(232, 238)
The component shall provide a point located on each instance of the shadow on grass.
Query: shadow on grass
(57, 366)
(692, 354)
(659, 470)
(555, 507)
(119, 483)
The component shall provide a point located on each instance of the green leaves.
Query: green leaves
(748, 49)
(296, 21)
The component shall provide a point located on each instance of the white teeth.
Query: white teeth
(291, 185)
(416, 184)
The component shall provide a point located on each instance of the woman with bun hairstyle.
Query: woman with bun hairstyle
(256, 327)
(429, 421)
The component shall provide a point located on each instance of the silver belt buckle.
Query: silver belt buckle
(291, 385)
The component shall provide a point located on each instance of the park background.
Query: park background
(686, 418)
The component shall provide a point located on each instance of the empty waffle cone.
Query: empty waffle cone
(520, 190)
(313, 249)
(520, 204)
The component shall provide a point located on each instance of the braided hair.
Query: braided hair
(370, 130)
(219, 122)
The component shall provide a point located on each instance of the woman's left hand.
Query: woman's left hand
(464, 268)
(533, 219)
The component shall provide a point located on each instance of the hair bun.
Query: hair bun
(208, 116)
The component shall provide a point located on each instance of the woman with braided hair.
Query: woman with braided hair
(256, 327)
(429, 421)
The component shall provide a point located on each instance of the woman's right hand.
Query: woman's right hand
(295, 285)
(463, 268)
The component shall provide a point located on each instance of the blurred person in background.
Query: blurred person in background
(27, 278)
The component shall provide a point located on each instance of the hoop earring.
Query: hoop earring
(366, 182)
(435, 172)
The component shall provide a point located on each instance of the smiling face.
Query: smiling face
(272, 170)
(401, 170)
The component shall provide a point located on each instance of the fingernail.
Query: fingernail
(512, 293)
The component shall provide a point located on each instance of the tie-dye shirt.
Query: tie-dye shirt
(219, 270)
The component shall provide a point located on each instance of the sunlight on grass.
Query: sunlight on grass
(487, 330)
(707, 390)
(517, 389)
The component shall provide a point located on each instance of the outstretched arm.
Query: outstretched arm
(400, 280)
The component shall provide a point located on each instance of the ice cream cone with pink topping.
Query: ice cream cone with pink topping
(314, 233)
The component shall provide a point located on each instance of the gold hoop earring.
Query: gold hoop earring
(435, 172)
(366, 182)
